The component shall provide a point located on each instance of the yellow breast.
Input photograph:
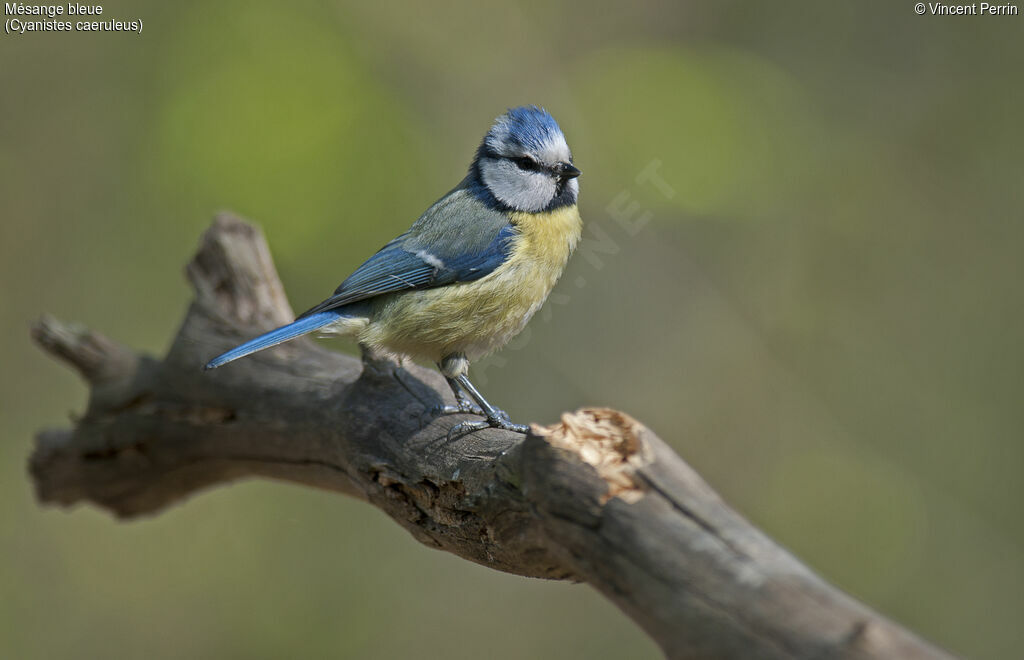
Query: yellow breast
(549, 237)
(478, 317)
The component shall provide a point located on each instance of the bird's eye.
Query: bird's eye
(526, 163)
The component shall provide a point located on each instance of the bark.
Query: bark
(597, 498)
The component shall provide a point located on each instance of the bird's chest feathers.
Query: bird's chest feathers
(536, 261)
(519, 286)
(506, 299)
(545, 241)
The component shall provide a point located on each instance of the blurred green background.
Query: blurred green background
(817, 301)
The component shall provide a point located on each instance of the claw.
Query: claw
(463, 407)
(507, 425)
(463, 428)
(500, 420)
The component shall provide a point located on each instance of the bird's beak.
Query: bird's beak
(567, 171)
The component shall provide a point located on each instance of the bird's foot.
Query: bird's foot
(464, 406)
(498, 420)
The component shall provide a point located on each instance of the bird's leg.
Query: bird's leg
(454, 367)
(449, 366)
(496, 418)
(463, 403)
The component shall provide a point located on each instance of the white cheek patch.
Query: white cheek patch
(525, 191)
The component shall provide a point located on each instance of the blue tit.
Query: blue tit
(470, 272)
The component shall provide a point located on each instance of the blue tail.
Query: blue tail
(303, 326)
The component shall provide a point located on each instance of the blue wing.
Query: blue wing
(457, 240)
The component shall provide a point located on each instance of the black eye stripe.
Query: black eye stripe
(526, 163)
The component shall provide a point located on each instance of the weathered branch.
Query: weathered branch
(597, 498)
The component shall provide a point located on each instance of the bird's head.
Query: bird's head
(525, 162)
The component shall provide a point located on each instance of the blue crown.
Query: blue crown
(527, 126)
